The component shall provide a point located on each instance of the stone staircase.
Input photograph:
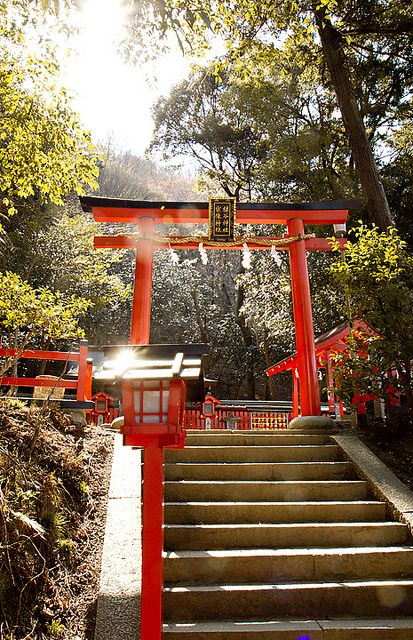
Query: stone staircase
(270, 536)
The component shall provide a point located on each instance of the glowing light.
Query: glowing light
(393, 597)
(123, 361)
(92, 67)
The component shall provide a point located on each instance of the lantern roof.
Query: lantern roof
(152, 362)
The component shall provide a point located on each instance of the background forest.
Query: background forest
(266, 121)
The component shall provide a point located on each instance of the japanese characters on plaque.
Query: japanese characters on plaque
(221, 218)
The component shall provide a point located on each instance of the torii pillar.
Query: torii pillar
(303, 320)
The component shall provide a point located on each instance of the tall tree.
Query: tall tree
(272, 135)
(378, 275)
(345, 30)
(44, 151)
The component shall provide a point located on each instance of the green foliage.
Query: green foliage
(377, 273)
(56, 628)
(27, 313)
(44, 152)
(361, 368)
(274, 134)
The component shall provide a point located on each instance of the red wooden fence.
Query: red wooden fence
(242, 420)
(82, 385)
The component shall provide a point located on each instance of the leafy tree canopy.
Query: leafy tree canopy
(377, 274)
(28, 314)
(44, 152)
(372, 36)
(275, 135)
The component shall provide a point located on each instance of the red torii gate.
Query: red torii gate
(147, 214)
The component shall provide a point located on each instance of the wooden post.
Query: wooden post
(152, 525)
(89, 376)
(330, 384)
(141, 306)
(82, 371)
(296, 400)
(152, 544)
(303, 320)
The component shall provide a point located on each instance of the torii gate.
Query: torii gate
(146, 215)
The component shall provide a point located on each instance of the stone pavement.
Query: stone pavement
(118, 607)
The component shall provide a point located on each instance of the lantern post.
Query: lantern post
(153, 380)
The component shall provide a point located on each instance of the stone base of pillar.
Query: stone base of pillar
(312, 422)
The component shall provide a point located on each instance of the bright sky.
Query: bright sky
(113, 98)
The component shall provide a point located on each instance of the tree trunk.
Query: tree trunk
(406, 380)
(198, 315)
(268, 363)
(249, 343)
(332, 44)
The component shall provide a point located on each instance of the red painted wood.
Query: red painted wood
(152, 544)
(273, 420)
(330, 383)
(127, 402)
(336, 342)
(303, 320)
(296, 395)
(82, 372)
(141, 307)
(244, 216)
(38, 382)
(89, 379)
(67, 356)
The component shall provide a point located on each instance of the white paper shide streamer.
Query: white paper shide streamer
(246, 256)
(174, 256)
(276, 256)
(202, 253)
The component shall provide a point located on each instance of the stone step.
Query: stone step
(314, 599)
(267, 565)
(273, 512)
(251, 438)
(333, 629)
(186, 490)
(275, 536)
(259, 471)
(266, 453)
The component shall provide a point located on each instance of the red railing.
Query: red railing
(241, 419)
(82, 385)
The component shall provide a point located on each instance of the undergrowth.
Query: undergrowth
(46, 467)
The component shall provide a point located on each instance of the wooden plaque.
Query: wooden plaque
(221, 219)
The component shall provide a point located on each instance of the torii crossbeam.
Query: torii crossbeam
(146, 215)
